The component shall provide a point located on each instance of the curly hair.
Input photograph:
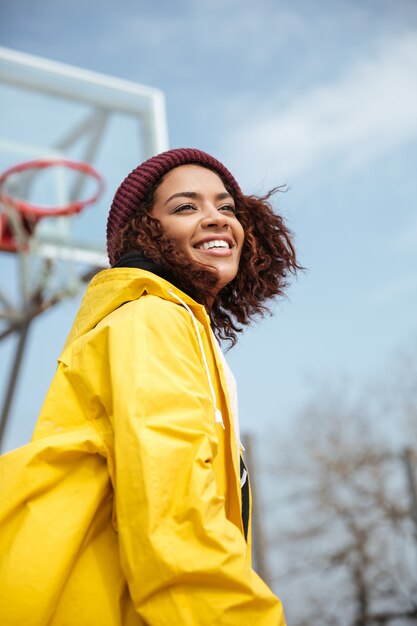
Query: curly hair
(268, 257)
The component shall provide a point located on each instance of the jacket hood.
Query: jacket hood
(110, 289)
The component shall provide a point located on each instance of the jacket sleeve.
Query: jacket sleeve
(184, 561)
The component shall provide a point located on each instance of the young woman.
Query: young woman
(131, 504)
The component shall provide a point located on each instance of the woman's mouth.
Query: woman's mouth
(215, 247)
(214, 244)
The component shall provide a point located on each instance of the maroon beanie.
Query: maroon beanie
(137, 184)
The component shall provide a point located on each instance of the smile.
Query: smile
(214, 244)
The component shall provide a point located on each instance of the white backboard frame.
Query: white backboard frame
(106, 97)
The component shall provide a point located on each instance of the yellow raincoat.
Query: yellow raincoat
(125, 509)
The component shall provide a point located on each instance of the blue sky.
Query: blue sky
(320, 96)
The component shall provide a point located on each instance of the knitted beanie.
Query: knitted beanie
(136, 185)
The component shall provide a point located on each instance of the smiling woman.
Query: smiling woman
(131, 506)
(201, 220)
(267, 255)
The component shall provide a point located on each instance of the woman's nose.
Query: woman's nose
(214, 217)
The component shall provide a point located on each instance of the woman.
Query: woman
(131, 504)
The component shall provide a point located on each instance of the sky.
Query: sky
(321, 97)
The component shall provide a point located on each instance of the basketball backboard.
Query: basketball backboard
(54, 110)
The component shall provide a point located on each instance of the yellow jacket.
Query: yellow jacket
(125, 509)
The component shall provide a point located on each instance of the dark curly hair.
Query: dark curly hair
(268, 257)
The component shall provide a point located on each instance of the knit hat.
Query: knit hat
(137, 184)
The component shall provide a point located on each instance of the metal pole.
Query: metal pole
(24, 328)
(259, 536)
(37, 307)
(94, 127)
(408, 457)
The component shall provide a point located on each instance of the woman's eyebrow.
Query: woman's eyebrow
(193, 194)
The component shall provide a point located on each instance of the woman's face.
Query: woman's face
(195, 210)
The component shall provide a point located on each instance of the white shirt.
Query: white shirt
(232, 389)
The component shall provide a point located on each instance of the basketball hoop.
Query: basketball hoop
(39, 211)
(28, 213)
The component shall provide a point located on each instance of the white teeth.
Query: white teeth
(216, 243)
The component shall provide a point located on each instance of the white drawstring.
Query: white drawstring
(217, 412)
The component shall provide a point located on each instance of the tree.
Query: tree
(342, 542)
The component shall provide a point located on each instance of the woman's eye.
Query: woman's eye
(184, 207)
(228, 207)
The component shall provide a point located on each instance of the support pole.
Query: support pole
(258, 532)
(37, 307)
(409, 457)
(14, 374)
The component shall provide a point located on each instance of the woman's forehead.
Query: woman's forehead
(191, 178)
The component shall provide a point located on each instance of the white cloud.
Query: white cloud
(204, 32)
(371, 109)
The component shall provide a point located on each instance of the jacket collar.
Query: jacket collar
(141, 262)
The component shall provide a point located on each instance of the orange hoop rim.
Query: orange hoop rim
(39, 210)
